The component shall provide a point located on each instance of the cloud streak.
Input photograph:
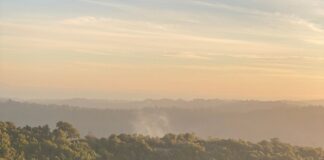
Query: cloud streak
(108, 3)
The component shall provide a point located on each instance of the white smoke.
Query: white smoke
(151, 123)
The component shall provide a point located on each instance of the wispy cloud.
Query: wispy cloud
(84, 20)
(104, 22)
(225, 6)
(189, 55)
(109, 3)
(315, 41)
(288, 17)
(307, 24)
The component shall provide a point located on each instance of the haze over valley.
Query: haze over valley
(291, 122)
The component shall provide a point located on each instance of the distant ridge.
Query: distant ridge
(250, 120)
(131, 104)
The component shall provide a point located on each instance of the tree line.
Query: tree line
(65, 143)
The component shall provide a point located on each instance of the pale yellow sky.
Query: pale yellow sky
(162, 49)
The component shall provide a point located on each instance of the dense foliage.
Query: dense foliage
(40, 143)
(64, 143)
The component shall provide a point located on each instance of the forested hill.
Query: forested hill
(64, 143)
(264, 122)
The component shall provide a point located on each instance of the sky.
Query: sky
(137, 49)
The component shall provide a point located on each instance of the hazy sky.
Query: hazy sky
(130, 49)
